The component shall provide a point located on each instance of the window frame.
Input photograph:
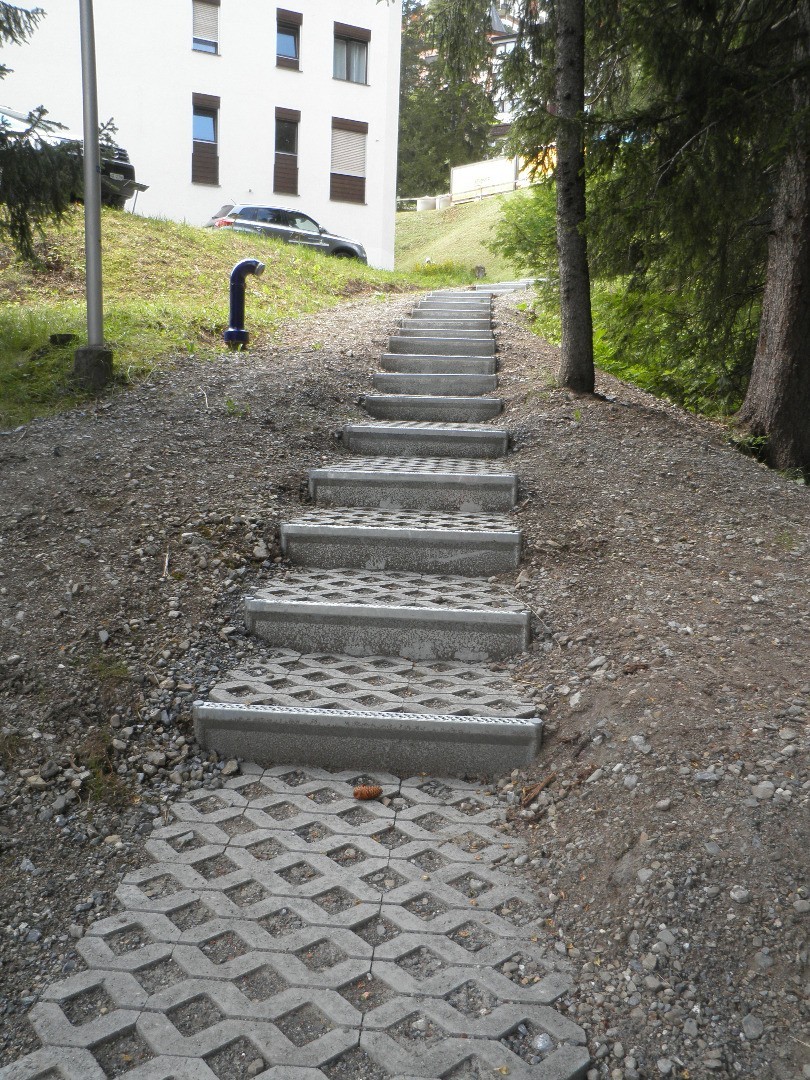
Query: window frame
(349, 187)
(205, 152)
(290, 23)
(285, 164)
(198, 44)
(350, 35)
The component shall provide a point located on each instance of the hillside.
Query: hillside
(665, 817)
(457, 235)
(166, 296)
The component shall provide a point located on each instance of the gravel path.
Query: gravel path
(665, 823)
(280, 928)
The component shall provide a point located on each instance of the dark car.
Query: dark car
(117, 173)
(118, 181)
(289, 225)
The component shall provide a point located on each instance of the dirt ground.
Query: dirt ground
(669, 579)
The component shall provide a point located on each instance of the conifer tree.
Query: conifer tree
(441, 122)
(544, 76)
(37, 178)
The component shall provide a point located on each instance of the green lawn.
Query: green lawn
(457, 236)
(165, 297)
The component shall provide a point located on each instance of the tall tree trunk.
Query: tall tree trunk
(777, 404)
(576, 366)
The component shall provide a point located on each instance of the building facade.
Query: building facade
(237, 101)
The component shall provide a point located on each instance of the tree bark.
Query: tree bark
(777, 404)
(576, 364)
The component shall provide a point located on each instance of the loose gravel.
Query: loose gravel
(668, 579)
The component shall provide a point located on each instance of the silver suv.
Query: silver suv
(289, 225)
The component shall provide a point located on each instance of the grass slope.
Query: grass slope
(457, 235)
(165, 296)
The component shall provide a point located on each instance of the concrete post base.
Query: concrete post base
(92, 367)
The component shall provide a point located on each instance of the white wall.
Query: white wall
(492, 177)
(147, 72)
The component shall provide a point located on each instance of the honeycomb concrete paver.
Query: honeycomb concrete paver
(285, 929)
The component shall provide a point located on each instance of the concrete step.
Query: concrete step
(425, 439)
(465, 295)
(364, 740)
(395, 382)
(463, 334)
(427, 321)
(428, 541)
(398, 483)
(452, 311)
(439, 365)
(498, 287)
(460, 298)
(421, 407)
(442, 346)
(362, 613)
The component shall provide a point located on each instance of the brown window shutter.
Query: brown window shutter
(285, 174)
(205, 101)
(289, 18)
(354, 33)
(204, 164)
(339, 124)
(347, 188)
(293, 115)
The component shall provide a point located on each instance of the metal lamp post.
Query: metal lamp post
(93, 362)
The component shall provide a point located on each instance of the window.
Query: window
(302, 223)
(348, 176)
(285, 173)
(288, 38)
(206, 26)
(351, 53)
(205, 139)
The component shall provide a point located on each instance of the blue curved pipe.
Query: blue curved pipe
(236, 335)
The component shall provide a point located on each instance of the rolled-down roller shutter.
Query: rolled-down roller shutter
(348, 152)
(206, 21)
(348, 173)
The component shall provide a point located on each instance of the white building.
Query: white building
(230, 101)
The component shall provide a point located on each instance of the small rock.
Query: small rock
(664, 1066)
(739, 894)
(801, 906)
(663, 804)
(103, 637)
(640, 743)
(763, 791)
(230, 768)
(752, 1027)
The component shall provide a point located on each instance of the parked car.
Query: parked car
(118, 183)
(289, 225)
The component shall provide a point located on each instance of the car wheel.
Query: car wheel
(344, 254)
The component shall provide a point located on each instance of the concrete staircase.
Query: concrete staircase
(379, 636)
